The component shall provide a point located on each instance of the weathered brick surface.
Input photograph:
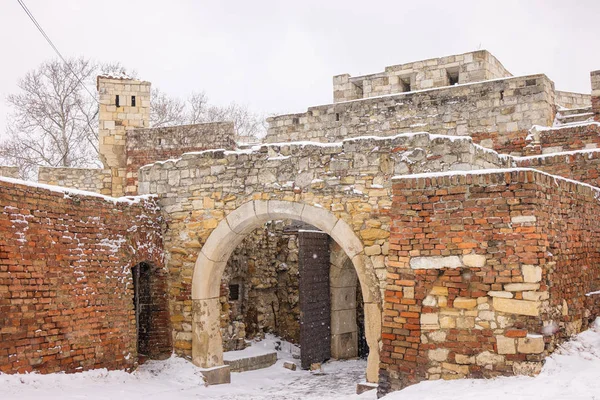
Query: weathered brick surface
(581, 166)
(554, 140)
(499, 254)
(66, 294)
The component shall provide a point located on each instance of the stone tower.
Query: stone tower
(124, 105)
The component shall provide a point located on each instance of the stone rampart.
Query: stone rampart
(572, 99)
(145, 146)
(497, 114)
(66, 293)
(89, 179)
(436, 72)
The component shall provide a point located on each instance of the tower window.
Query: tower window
(337, 116)
(452, 74)
(132, 101)
(117, 101)
(404, 83)
(234, 292)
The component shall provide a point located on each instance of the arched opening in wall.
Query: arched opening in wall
(290, 280)
(211, 284)
(150, 304)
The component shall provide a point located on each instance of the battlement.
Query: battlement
(470, 67)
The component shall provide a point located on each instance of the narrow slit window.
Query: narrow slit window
(405, 84)
(132, 101)
(234, 292)
(337, 116)
(117, 101)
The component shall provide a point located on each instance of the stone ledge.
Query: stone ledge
(251, 363)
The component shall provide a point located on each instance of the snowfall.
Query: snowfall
(572, 372)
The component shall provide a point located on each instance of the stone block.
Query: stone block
(512, 306)
(216, 375)
(438, 355)
(531, 344)
(464, 302)
(474, 260)
(435, 262)
(506, 345)
(532, 273)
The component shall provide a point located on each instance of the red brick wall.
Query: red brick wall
(583, 167)
(566, 139)
(448, 322)
(66, 293)
(503, 142)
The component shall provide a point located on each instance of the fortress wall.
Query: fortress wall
(572, 99)
(88, 179)
(145, 146)
(595, 78)
(66, 294)
(9, 172)
(436, 72)
(487, 273)
(350, 179)
(497, 114)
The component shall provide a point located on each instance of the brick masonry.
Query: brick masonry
(66, 295)
(481, 281)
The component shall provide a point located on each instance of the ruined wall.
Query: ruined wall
(88, 179)
(349, 179)
(145, 146)
(497, 114)
(583, 166)
(543, 140)
(265, 266)
(474, 281)
(436, 72)
(9, 172)
(66, 295)
(572, 99)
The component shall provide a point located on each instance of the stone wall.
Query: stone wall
(497, 114)
(595, 78)
(265, 266)
(572, 99)
(145, 146)
(66, 295)
(436, 72)
(478, 272)
(9, 172)
(88, 179)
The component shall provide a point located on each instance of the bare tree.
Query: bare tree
(54, 117)
(170, 111)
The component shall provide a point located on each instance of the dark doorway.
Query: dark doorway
(142, 303)
(315, 302)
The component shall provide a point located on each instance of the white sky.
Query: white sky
(280, 56)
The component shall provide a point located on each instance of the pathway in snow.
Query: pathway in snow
(572, 373)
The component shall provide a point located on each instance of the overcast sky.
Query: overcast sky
(280, 56)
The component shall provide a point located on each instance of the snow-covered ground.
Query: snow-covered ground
(572, 373)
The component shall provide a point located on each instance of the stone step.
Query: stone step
(249, 363)
(569, 119)
(572, 111)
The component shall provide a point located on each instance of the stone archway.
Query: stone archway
(207, 348)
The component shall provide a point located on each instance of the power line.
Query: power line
(39, 27)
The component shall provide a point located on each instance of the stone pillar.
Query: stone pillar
(595, 77)
(207, 345)
(124, 105)
(344, 332)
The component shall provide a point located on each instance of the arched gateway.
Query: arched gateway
(207, 349)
